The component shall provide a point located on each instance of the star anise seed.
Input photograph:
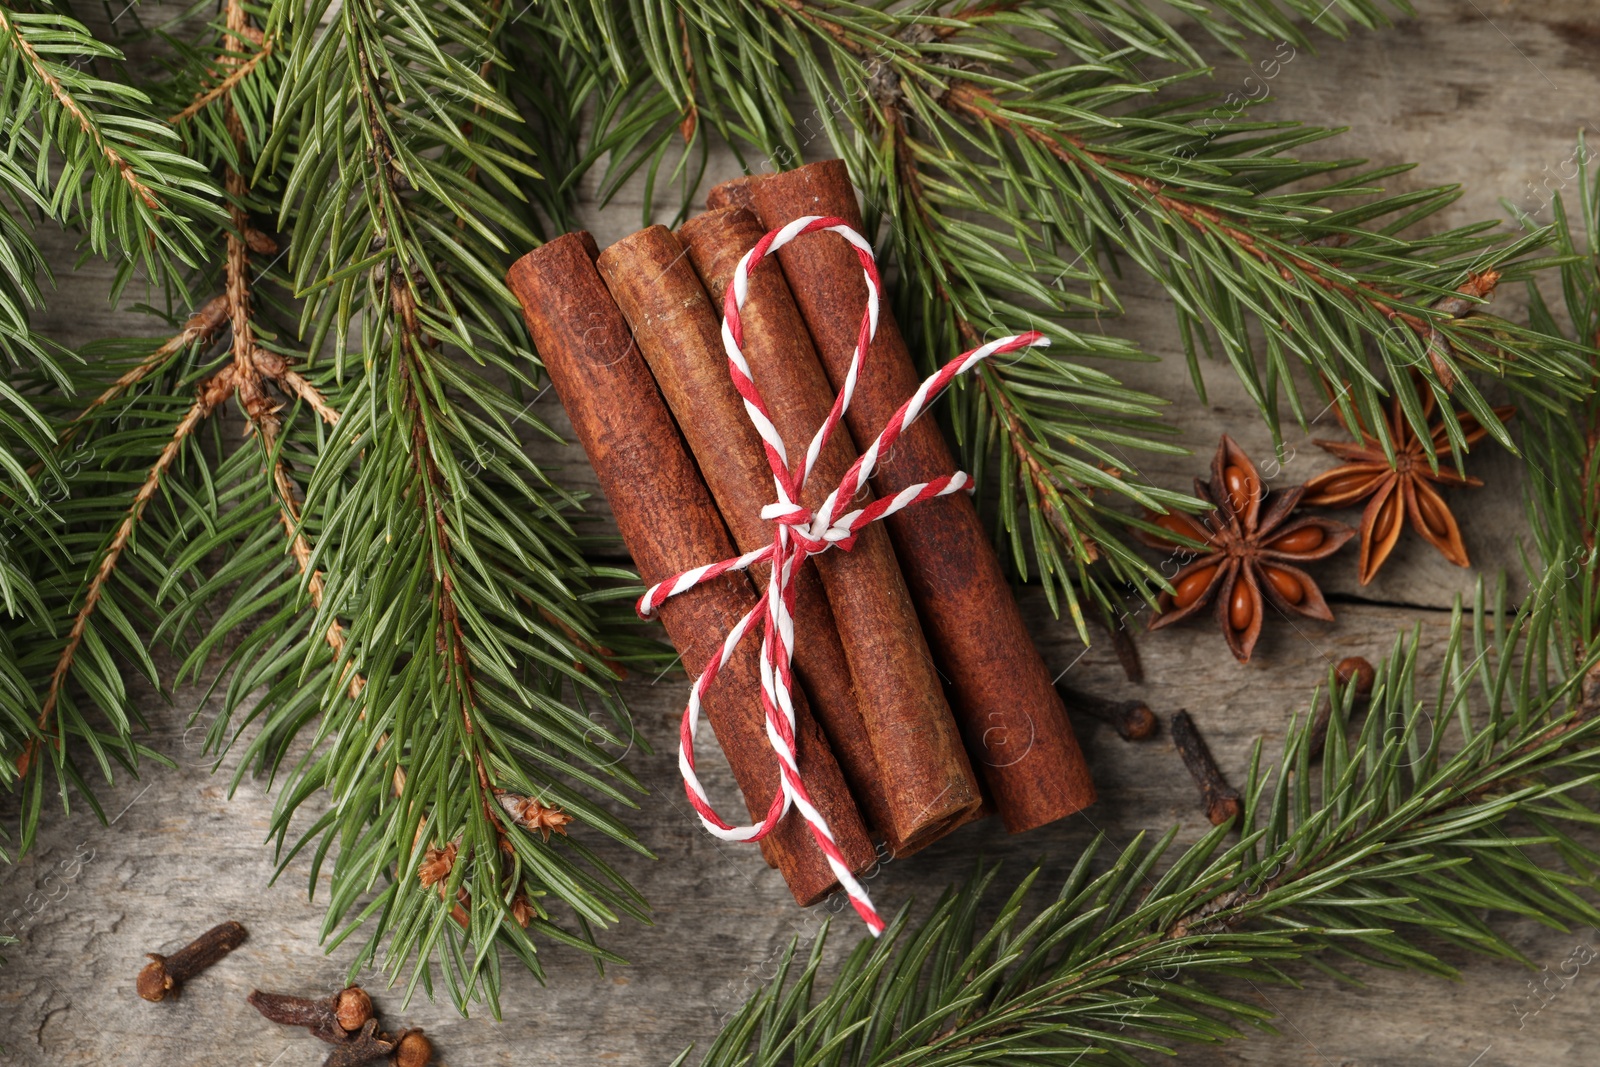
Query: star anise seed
(1395, 491)
(1252, 547)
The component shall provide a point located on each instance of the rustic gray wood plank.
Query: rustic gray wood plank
(1491, 93)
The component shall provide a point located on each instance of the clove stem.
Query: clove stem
(1221, 799)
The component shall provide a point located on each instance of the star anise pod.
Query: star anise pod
(1252, 549)
(1394, 491)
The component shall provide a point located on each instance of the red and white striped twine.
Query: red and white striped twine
(800, 532)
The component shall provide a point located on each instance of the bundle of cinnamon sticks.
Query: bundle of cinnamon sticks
(925, 703)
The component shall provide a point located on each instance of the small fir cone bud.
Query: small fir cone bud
(529, 814)
(435, 869)
(521, 909)
(259, 242)
(210, 318)
(437, 863)
(270, 363)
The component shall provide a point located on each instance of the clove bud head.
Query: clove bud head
(413, 1050)
(154, 983)
(352, 1007)
(1359, 670)
(1138, 722)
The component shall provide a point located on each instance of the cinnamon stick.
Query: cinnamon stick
(669, 523)
(927, 782)
(1011, 716)
(735, 192)
(894, 675)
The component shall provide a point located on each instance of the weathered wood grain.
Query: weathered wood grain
(1484, 91)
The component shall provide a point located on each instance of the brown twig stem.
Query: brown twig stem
(226, 85)
(200, 328)
(212, 393)
(42, 71)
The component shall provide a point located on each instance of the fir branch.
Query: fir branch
(1389, 840)
(1563, 444)
(297, 385)
(1017, 156)
(300, 549)
(207, 397)
(144, 195)
(456, 660)
(91, 129)
(237, 72)
(198, 330)
(79, 150)
(501, 691)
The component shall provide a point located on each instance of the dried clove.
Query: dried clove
(1132, 719)
(1221, 799)
(367, 1046)
(164, 976)
(1352, 670)
(332, 1019)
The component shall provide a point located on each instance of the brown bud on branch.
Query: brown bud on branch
(530, 814)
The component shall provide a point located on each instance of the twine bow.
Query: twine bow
(798, 533)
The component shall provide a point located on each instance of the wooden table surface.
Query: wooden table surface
(1490, 93)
